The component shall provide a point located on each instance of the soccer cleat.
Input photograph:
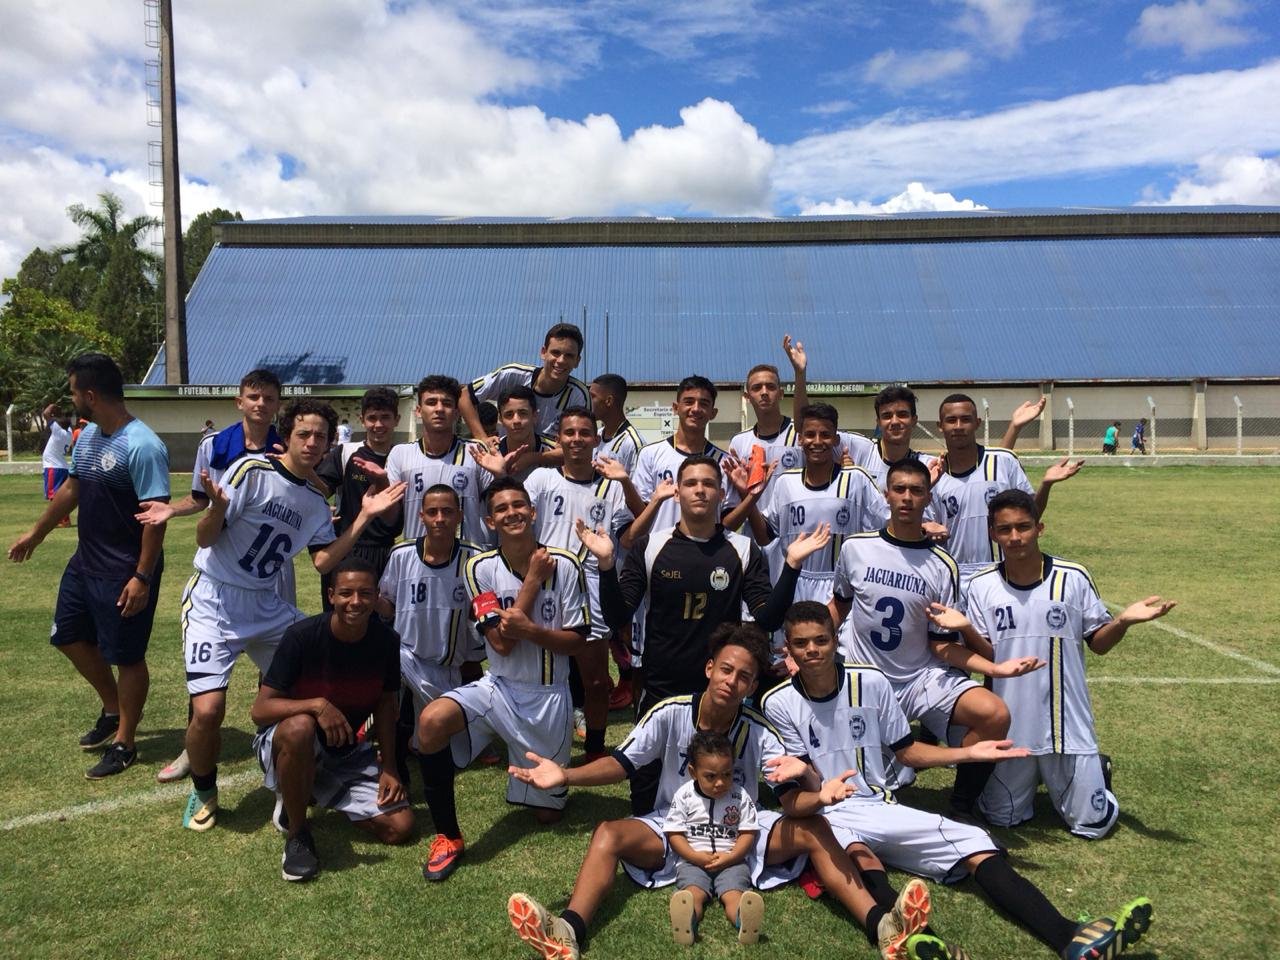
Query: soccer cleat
(921, 946)
(279, 816)
(551, 937)
(1134, 920)
(179, 768)
(621, 696)
(750, 917)
(442, 857)
(116, 759)
(100, 734)
(684, 918)
(1096, 940)
(299, 860)
(579, 724)
(909, 915)
(200, 815)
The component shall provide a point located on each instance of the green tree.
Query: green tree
(198, 241)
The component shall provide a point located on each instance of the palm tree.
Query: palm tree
(105, 235)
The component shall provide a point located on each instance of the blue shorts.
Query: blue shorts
(54, 477)
(87, 611)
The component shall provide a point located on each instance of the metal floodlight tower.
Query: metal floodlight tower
(1071, 428)
(1239, 425)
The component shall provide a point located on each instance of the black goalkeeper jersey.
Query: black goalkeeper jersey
(693, 586)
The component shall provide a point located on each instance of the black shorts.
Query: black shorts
(87, 611)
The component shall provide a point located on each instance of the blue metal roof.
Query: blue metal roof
(1127, 308)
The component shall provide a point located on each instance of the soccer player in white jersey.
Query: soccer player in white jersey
(259, 518)
(737, 657)
(517, 412)
(971, 475)
(531, 605)
(550, 380)
(618, 438)
(423, 591)
(440, 456)
(845, 717)
(885, 581)
(775, 433)
(1035, 605)
(562, 496)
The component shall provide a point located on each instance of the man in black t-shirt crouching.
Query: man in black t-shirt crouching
(329, 673)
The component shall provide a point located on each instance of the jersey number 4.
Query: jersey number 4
(269, 560)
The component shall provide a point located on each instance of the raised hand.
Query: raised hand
(993, 751)
(494, 462)
(217, 496)
(1144, 611)
(377, 503)
(541, 565)
(1018, 666)
(154, 513)
(946, 618)
(610, 468)
(1027, 412)
(377, 475)
(807, 544)
(937, 466)
(838, 788)
(544, 774)
(784, 769)
(598, 543)
(794, 350)
(1064, 469)
(665, 490)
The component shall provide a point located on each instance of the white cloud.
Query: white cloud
(902, 71)
(915, 199)
(998, 25)
(1159, 124)
(1196, 26)
(829, 108)
(1240, 179)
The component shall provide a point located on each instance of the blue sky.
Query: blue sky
(725, 107)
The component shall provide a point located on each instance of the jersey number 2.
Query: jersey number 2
(272, 558)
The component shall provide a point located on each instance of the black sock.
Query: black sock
(595, 740)
(971, 778)
(1022, 900)
(205, 782)
(577, 923)
(871, 926)
(437, 787)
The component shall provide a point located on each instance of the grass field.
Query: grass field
(1192, 720)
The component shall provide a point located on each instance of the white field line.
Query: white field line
(1260, 665)
(128, 801)
(1185, 681)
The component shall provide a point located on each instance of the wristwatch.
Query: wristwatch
(144, 577)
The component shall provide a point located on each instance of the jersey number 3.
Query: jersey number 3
(269, 560)
(894, 611)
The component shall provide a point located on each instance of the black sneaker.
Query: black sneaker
(116, 759)
(299, 861)
(101, 733)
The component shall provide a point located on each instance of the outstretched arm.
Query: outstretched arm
(794, 350)
(1064, 469)
(1144, 611)
(548, 775)
(1025, 413)
(924, 755)
(59, 508)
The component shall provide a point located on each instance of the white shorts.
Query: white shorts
(221, 621)
(526, 717)
(599, 629)
(346, 781)
(425, 681)
(1075, 784)
(929, 697)
(763, 876)
(912, 840)
(287, 584)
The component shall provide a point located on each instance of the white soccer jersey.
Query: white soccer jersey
(559, 503)
(561, 604)
(851, 729)
(850, 503)
(497, 382)
(783, 446)
(960, 501)
(433, 608)
(624, 446)
(1051, 620)
(890, 583)
(272, 515)
(661, 461)
(665, 731)
(455, 468)
(870, 456)
(711, 824)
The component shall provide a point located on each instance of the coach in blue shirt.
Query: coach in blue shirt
(107, 597)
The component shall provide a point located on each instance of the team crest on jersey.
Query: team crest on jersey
(460, 593)
(108, 460)
(548, 609)
(952, 506)
(460, 481)
(1099, 800)
(842, 517)
(732, 815)
(790, 459)
(719, 578)
(990, 494)
(857, 727)
(1056, 618)
(597, 511)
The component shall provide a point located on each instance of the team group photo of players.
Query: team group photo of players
(807, 608)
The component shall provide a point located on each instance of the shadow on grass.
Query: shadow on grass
(163, 745)
(584, 811)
